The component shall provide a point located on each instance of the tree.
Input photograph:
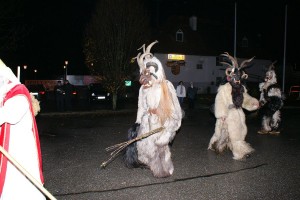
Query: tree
(116, 30)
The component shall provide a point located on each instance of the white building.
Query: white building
(205, 71)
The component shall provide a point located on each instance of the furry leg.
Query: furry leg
(165, 138)
(266, 123)
(275, 122)
(223, 141)
(241, 149)
(161, 164)
(216, 136)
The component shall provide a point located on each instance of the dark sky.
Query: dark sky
(56, 27)
(55, 35)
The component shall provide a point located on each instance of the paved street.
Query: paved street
(73, 148)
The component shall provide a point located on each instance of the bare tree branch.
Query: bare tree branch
(115, 31)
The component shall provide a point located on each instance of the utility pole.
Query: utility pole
(235, 13)
(284, 49)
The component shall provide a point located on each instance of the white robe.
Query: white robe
(22, 147)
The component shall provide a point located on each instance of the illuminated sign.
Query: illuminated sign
(176, 57)
(127, 83)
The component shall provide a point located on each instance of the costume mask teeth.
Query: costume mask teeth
(238, 82)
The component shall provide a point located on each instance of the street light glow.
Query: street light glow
(66, 68)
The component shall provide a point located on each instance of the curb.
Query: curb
(82, 113)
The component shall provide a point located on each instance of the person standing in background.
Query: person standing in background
(180, 92)
(68, 88)
(59, 96)
(191, 94)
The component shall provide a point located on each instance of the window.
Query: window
(179, 36)
(200, 66)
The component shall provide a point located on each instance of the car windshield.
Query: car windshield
(96, 88)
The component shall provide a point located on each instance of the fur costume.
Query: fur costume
(231, 98)
(35, 105)
(157, 106)
(271, 101)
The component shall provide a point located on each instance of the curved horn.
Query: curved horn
(228, 71)
(140, 59)
(225, 63)
(149, 48)
(142, 47)
(272, 67)
(243, 64)
(244, 76)
(232, 59)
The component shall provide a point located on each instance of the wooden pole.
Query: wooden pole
(26, 173)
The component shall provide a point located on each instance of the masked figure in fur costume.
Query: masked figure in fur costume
(232, 97)
(271, 101)
(157, 106)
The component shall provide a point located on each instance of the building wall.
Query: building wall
(207, 78)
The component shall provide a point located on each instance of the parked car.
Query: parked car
(97, 94)
(39, 91)
(294, 94)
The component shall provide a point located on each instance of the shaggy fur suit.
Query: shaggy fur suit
(231, 98)
(158, 106)
(231, 128)
(271, 101)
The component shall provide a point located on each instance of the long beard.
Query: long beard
(165, 104)
(237, 94)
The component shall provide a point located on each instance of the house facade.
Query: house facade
(206, 72)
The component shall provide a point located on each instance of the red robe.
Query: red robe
(5, 134)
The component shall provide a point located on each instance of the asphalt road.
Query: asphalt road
(73, 148)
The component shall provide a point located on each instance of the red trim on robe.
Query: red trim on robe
(5, 133)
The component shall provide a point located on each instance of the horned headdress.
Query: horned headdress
(149, 63)
(234, 68)
(270, 76)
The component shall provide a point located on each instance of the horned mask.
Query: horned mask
(234, 72)
(151, 69)
(270, 76)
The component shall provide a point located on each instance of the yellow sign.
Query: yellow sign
(176, 57)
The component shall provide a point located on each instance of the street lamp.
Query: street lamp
(66, 68)
(35, 72)
(24, 76)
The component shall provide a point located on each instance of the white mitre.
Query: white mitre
(8, 80)
(6, 72)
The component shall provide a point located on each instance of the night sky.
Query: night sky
(56, 28)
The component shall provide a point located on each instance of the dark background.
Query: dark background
(56, 29)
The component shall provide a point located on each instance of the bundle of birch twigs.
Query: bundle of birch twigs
(116, 149)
